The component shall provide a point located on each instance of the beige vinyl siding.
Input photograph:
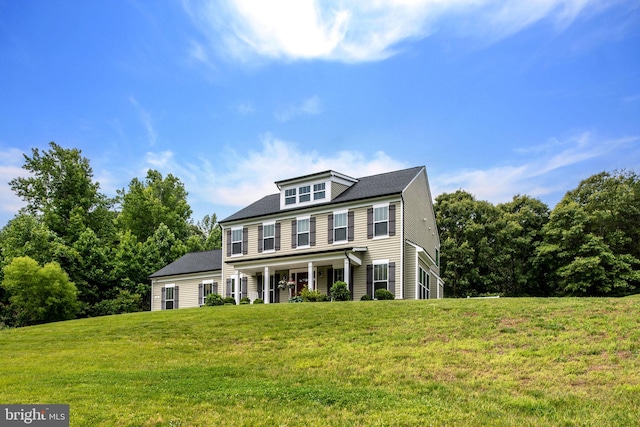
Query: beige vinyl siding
(410, 271)
(337, 189)
(188, 294)
(418, 206)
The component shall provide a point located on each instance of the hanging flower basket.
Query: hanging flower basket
(286, 284)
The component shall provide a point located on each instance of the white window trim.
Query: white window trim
(298, 219)
(380, 205)
(346, 234)
(265, 224)
(241, 229)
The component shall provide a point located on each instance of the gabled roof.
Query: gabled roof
(380, 185)
(193, 262)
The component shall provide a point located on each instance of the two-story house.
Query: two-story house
(373, 232)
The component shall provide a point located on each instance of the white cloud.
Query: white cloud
(238, 178)
(537, 176)
(363, 30)
(310, 107)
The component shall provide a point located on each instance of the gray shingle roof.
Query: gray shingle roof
(193, 262)
(384, 184)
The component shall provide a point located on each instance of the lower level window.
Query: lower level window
(207, 288)
(338, 275)
(380, 276)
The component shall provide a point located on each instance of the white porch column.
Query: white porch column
(312, 282)
(347, 273)
(237, 287)
(267, 284)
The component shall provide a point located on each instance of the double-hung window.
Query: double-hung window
(268, 236)
(318, 191)
(340, 227)
(236, 241)
(423, 284)
(303, 232)
(290, 196)
(305, 194)
(381, 220)
(380, 276)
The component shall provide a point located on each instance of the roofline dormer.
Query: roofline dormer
(315, 188)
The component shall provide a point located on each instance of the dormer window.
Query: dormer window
(310, 189)
(318, 191)
(305, 193)
(290, 196)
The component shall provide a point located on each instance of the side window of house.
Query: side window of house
(423, 284)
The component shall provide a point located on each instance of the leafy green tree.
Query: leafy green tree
(590, 242)
(468, 235)
(39, 294)
(210, 231)
(152, 202)
(519, 234)
(61, 184)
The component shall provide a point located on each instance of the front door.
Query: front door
(302, 280)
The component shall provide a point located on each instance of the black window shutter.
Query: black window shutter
(294, 234)
(215, 288)
(351, 225)
(244, 292)
(330, 229)
(277, 242)
(392, 278)
(370, 223)
(228, 293)
(370, 280)
(329, 281)
(392, 220)
(260, 285)
(276, 290)
(229, 242)
(245, 241)
(176, 297)
(260, 239)
(200, 293)
(312, 231)
(162, 301)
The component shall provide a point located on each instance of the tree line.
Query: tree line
(588, 245)
(74, 252)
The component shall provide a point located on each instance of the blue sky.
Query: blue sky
(495, 97)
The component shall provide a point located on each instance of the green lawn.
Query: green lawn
(517, 362)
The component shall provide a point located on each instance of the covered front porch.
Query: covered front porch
(260, 277)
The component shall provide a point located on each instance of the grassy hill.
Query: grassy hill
(449, 362)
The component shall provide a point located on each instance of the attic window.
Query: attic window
(318, 191)
(305, 193)
(290, 196)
